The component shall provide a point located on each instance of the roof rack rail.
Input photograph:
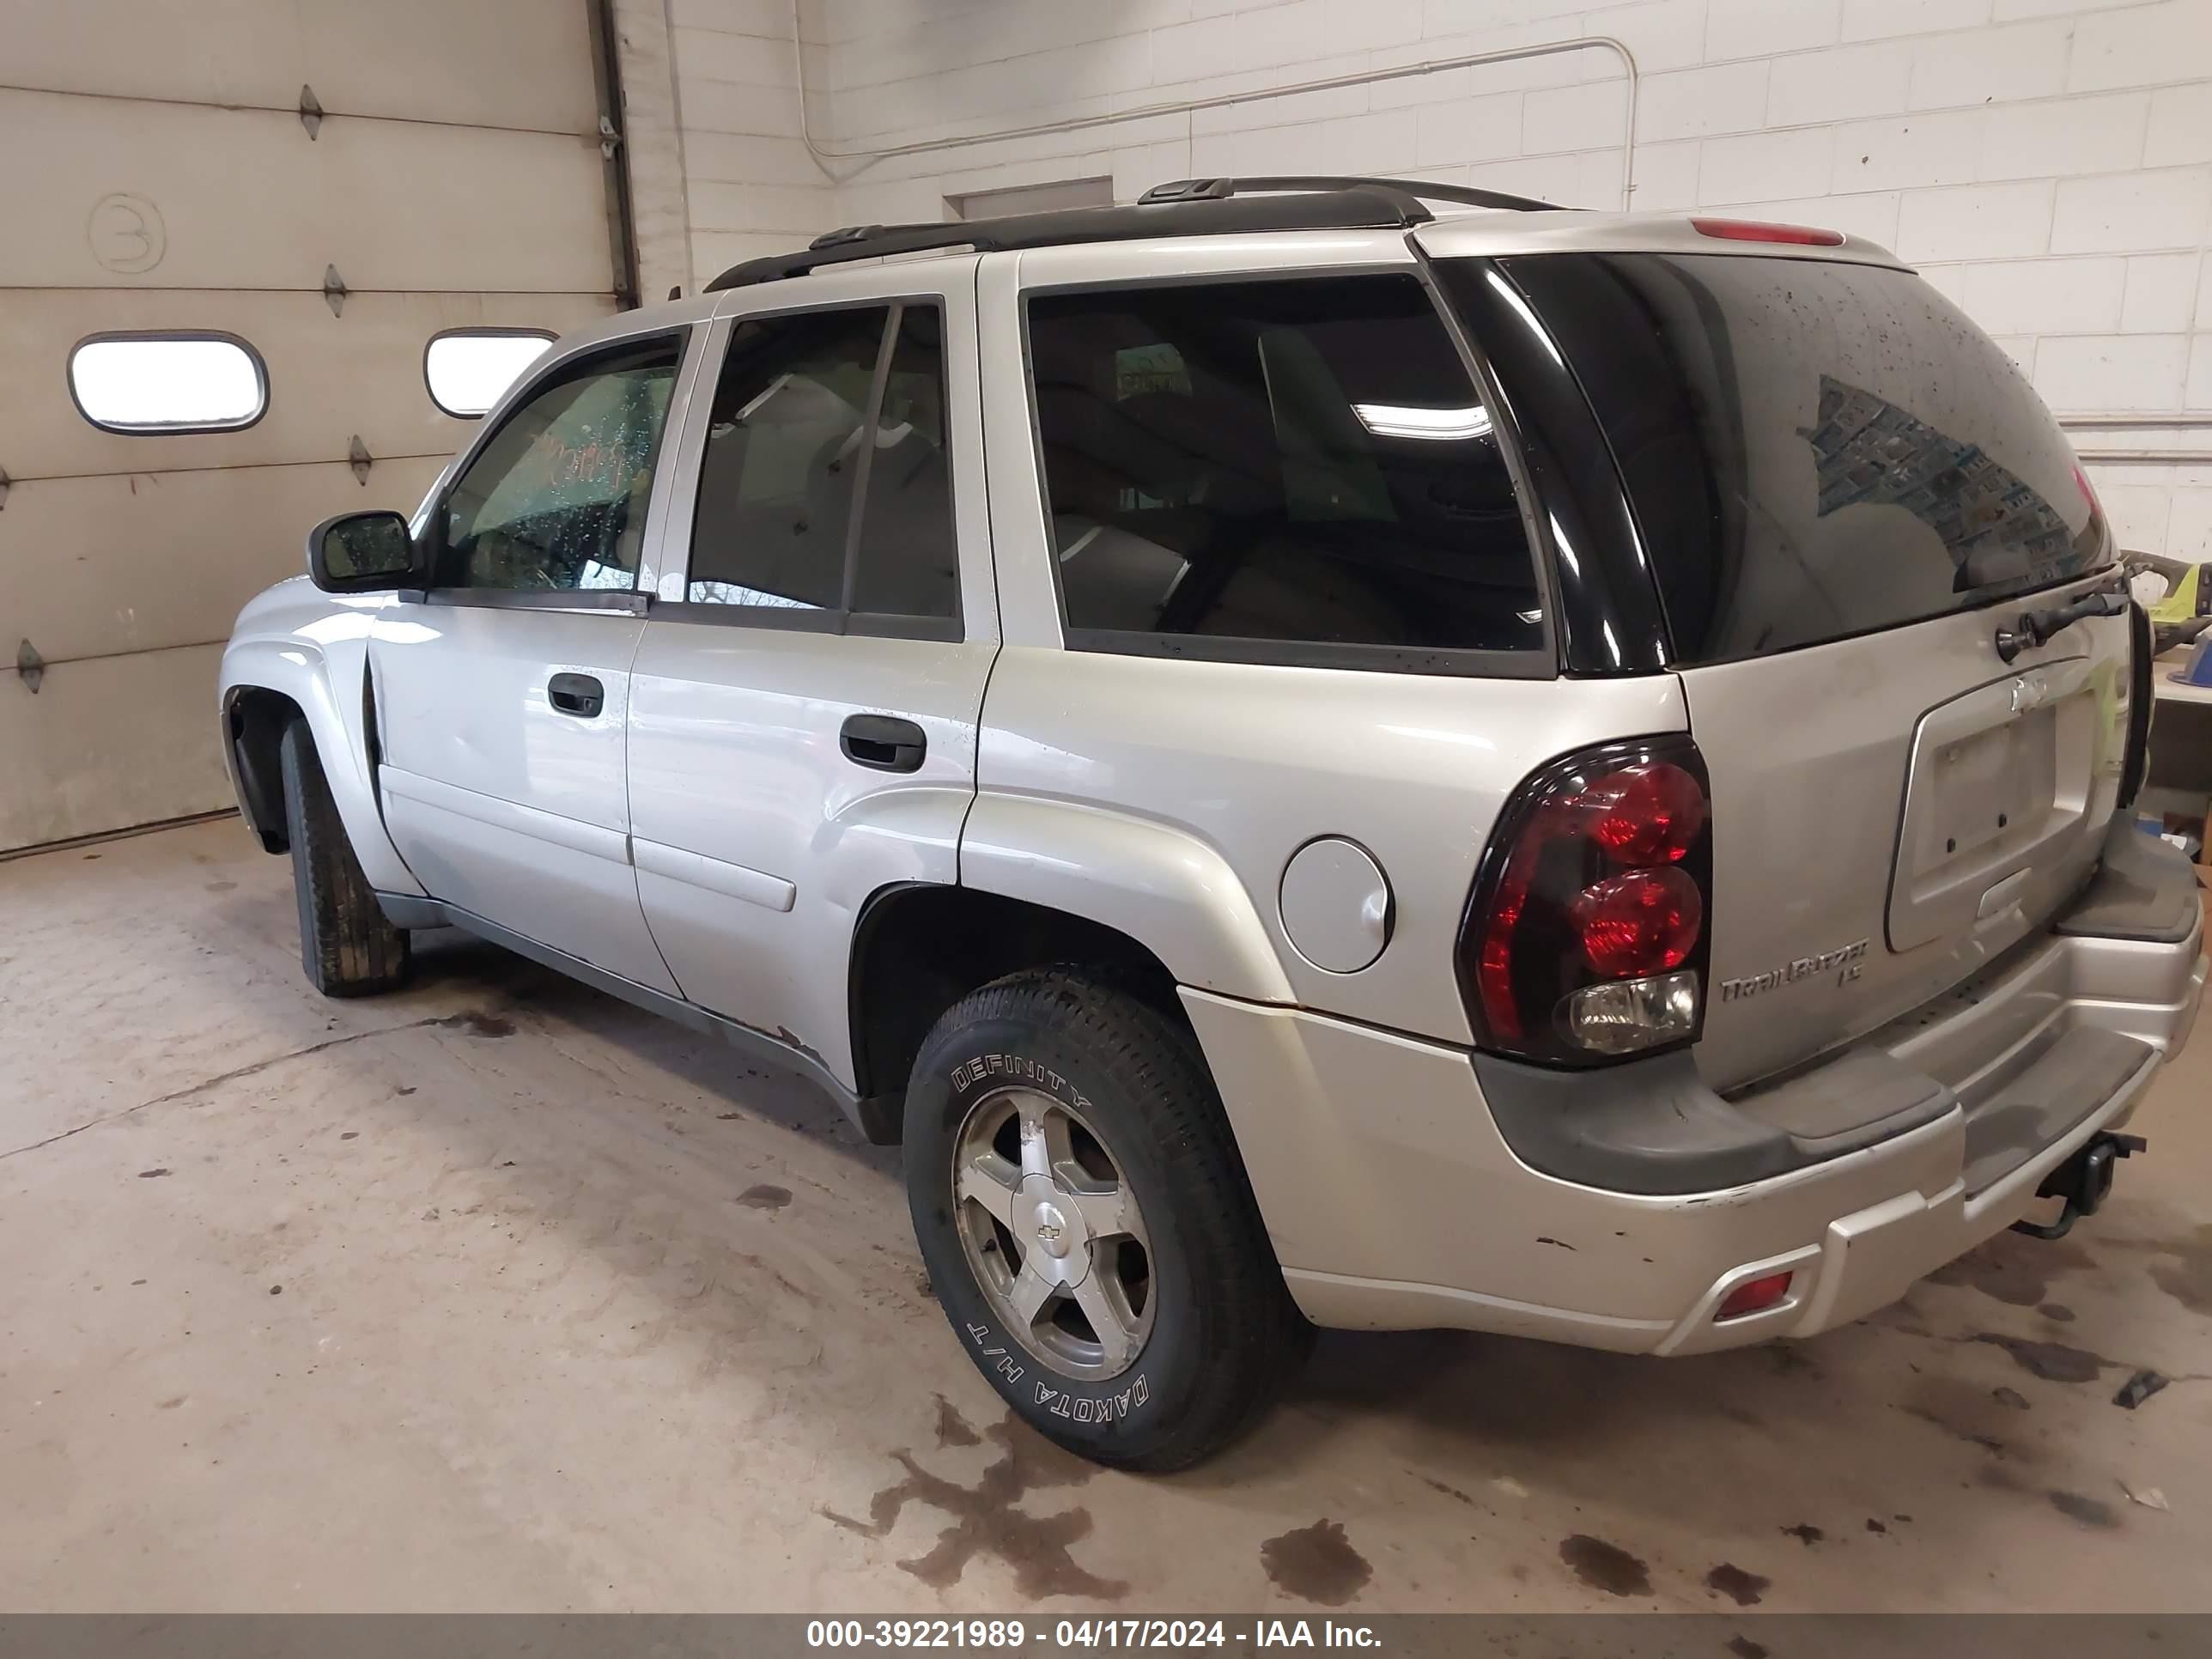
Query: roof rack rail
(1190, 207)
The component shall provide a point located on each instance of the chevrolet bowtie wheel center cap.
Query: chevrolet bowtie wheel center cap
(1051, 1230)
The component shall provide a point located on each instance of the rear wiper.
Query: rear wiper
(2037, 627)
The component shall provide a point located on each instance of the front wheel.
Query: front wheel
(1085, 1216)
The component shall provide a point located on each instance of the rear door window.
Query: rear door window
(825, 492)
(1295, 470)
(906, 559)
(776, 484)
(1813, 449)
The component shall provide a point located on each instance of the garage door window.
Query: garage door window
(469, 369)
(169, 383)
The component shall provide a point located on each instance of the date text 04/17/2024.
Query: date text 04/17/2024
(1262, 1634)
(1084, 1634)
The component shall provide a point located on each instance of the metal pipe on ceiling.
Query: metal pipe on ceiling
(867, 158)
(2141, 421)
(823, 156)
(2143, 457)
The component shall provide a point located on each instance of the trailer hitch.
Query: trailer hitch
(2083, 1181)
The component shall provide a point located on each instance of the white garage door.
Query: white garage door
(163, 180)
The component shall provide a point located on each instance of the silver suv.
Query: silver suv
(1315, 758)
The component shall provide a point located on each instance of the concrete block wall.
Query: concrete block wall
(2048, 163)
(752, 187)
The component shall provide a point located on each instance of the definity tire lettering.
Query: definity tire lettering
(975, 1071)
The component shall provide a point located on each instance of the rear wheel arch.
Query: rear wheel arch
(1155, 881)
(919, 947)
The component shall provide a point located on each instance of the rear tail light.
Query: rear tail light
(1755, 230)
(1586, 937)
(2088, 492)
(1639, 923)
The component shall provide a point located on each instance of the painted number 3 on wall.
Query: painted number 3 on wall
(126, 233)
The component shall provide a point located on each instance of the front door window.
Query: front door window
(556, 500)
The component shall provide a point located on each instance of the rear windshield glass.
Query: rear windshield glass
(1282, 470)
(1813, 450)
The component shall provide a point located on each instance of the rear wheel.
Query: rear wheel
(346, 945)
(1085, 1216)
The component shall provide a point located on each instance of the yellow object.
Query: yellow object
(2180, 604)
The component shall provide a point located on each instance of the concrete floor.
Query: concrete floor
(499, 1294)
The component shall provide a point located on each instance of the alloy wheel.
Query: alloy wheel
(1053, 1233)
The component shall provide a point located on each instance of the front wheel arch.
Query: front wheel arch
(254, 726)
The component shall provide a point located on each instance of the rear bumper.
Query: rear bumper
(1395, 1201)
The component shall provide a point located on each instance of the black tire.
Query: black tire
(1222, 1329)
(346, 945)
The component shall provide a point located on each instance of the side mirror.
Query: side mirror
(362, 553)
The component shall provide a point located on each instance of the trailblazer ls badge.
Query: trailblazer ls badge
(1845, 962)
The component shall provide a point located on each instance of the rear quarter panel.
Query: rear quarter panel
(1235, 766)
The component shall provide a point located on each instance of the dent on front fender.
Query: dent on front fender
(312, 648)
(1163, 887)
